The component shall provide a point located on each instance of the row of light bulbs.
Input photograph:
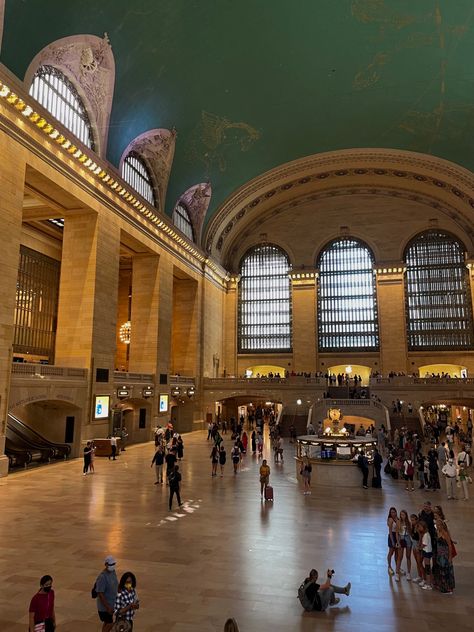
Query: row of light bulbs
(88, 162)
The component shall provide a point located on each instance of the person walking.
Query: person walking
(180, 448)
(264, 476)
(409, 472)
(170, 459)
(106, 587)
(158, 461)
(126, 601)
(450, 473)
(260, 443)
(222, 459)
(363, 464)
(253, 441)
(463, 475)
(87, 458)
(306, 470)
(377, 478)
(235, 454)
(113, 448)
(214, 460)
(41, 609)
(175, 484)
(442, 455)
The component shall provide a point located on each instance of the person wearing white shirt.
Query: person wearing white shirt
(450, 472)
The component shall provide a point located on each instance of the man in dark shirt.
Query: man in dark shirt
(175, 481)
(322, 595)
(170, 459)
(427, 515)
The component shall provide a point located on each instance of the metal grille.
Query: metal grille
(264, 301)
(182, 221)
(59, 96)
(36, 304)
(347, 301)
(439, 312)
(135, 172)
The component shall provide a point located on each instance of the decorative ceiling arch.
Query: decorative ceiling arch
(156, 147)
(196, 201)
(88, 62)
(445, 185)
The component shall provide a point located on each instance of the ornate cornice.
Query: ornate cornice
(413, 173)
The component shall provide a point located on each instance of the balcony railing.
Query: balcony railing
(180, 380)
(42, 371)
(407, 380)
(126, 377)
(255, 382)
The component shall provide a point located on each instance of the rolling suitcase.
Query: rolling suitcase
(268, 492)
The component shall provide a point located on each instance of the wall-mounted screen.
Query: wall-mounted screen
(101, 406)
(163, 403)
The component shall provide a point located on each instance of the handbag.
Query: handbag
(121, 625)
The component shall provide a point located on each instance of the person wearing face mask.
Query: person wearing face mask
(106, 587)
(41, 613)
(126, 602)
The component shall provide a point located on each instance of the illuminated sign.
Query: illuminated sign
(101, 407)
(163, 403)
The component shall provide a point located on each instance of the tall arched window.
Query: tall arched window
(182, 221)
(347, 302)
(135, 172)
(264, 301)
(439, 312)
(59, 96)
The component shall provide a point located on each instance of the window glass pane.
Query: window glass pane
(182, 221)
(58, 95)
(438, 306)
(135, 172)
(264, 301)
(347, 305)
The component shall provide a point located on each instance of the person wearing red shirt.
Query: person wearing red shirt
(42, 606)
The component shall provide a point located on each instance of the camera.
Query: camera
(331, 572)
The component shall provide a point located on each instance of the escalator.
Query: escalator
(24, 445)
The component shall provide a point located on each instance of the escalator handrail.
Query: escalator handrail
(47, 450)
(57, 446)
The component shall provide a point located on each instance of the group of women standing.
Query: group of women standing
(425, 536)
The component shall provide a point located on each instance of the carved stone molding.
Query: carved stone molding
(88, 62)
(156, 147)
(196, 200)
(444, 182)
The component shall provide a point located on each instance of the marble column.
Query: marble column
(304, 321)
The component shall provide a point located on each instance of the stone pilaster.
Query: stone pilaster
(12, 181)
(392, 322)
(304, 320)
(230, 326)
(87, 312)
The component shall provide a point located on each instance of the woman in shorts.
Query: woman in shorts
(392, 524)
(405, 545)
(415, 539)
(426, 549)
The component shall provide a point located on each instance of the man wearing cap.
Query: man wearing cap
(106, 586)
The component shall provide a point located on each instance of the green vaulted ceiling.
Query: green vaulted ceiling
(251, 84)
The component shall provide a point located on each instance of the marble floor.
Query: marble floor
(225, 553)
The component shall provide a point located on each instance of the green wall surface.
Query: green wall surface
(251, 84)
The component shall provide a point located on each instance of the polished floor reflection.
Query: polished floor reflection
(224, 553)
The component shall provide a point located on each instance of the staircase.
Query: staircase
(410, 422)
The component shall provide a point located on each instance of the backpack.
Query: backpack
(304, 601)
(94, 593)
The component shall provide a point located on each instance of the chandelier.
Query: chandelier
(125, 332)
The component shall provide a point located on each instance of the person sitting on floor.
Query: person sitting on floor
(319, 596)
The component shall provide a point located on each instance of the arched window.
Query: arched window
(135, 172)
(347, 302)
(59, 96)
(264, 301)
(182, 221)
(438, 305)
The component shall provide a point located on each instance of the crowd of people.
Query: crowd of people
(424, 539)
